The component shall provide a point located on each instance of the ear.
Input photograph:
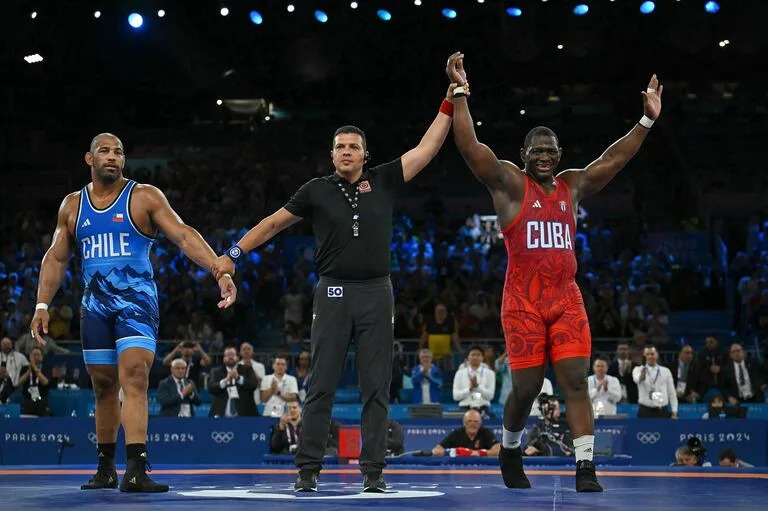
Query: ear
(331, 153)
(367, 157)
(522, 154)
(89, 159)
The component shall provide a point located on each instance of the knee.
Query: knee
(135, 377)
(527, 391)
(104, 387)
(574, 382)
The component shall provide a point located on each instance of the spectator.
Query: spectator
(13, 324)
(710, 362)
(246, 358)
(34, 384)
(502, 367)
(692, 454)
(176, 394)
(6, 385)
(473, 385)
(742, 380)
(728, 458)
(59, 325)
(293, 303)
(656, 388)
(472, 439)
(26, 343)
(546, 388)
(621, 368)
(685, 374)
(427, 379)
(604, 390)
(438, 334)
(193, 354)
(278, 388)
(285, 434)
(551, 436)
(12, 360)
(232, 387)
(302, 374)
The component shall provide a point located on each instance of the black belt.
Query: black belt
(654, 408)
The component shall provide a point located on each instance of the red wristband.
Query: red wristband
(447, 108)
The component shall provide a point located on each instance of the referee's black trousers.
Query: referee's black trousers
(342, 311)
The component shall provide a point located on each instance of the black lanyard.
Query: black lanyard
(353, 203)
(658, 370)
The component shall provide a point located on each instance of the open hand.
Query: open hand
(40, 320)
(228, 291)
(652, 98)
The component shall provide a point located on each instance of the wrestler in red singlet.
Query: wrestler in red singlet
(542, 310)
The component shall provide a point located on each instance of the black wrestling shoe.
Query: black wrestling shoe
(307, 481)
(586, 479)
(105, 477)
(511, 463)
(136, 479)
(373, 483)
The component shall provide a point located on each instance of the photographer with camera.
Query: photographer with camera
(655, 387)
(551, 436)
(285, 434)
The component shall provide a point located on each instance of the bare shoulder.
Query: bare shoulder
(572, 177)
(71, 203)
(149, 195)
(512, 174)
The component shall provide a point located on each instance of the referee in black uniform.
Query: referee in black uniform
(351, 214)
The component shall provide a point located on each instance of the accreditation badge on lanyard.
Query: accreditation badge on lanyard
(654, 394)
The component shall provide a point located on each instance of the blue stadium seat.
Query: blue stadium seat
(347, 396)
(10, 410)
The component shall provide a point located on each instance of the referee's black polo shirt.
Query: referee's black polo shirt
(339, 255)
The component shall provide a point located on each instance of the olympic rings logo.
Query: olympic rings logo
(648, 437)
(93, 438)
(222, 437)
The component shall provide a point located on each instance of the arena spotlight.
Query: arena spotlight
(647, 7)
(450, 13)
(224, 11)
(581, 9)
(33, 59)
(353, 5)
(290, 8)
(514, 11)
(711, 7)
(383, 15)
(33, 14)
(135, 20)
(417, 2)
(321, 16)
(256, 17)
(97, 14)
(161, 13)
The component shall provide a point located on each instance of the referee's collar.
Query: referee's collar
(337, 178)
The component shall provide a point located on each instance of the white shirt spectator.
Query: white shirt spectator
(14, 362)
(604, 394)
(275, 406)
(657, 390)
(479, 396)
(260, 371)
(546, 388)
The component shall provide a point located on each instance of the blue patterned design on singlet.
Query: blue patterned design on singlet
(117, 272)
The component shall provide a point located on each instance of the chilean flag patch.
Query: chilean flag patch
(118, 217)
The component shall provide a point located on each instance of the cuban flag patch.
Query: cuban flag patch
(117, 217)
(563, 206)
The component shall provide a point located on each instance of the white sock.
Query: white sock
(583, 447)
(511, 439)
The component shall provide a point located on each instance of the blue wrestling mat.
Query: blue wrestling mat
(411, 487)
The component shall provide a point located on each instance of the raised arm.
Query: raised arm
(257, 236)
(593, 178)
(417, 158)
(486, 167)
(186, 238)
(54, 264)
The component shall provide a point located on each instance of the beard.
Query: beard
(106, 176)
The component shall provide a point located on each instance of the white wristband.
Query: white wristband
(42, 306)
(459, 90)
(646, 122)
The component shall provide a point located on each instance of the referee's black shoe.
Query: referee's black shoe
(511, 463)
(373, 483)
(105, 477)
(307, 481)
(136, 480)
(586, 479)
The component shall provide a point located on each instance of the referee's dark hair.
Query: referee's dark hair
(350, 129)
(729, 454)
(475, 347)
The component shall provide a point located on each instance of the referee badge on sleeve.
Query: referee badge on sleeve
(364, 186)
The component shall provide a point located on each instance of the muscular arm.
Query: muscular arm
(267, 228)
(56, 259)
(182, 235)
(596, 175)
(417, 158)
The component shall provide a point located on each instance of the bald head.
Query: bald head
(109, 138)
(106, 158)
(472, 422)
